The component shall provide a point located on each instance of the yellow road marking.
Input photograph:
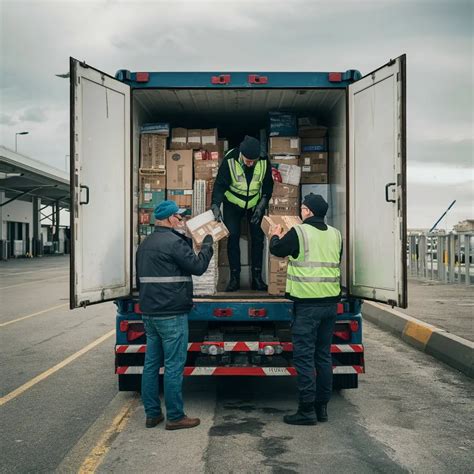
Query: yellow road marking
(419, 332)
(104, 443)
(32, 315)
(23, 388)
(34, 281)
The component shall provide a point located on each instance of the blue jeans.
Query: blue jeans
(167, 344)
(312, 332)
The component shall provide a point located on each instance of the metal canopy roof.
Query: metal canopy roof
(23, 178)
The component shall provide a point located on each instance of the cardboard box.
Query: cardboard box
(285, 190)
(209, 136)
(312, 131)
(284, 210)
(285, 159)
(206, 284)
(179, 169)
(179, 135)
(286, 222)
(145, 229)
(206, 155)
(290, 174)
(284, 201)
(146, 217)
(206, 169)
(284, 146)
(282, 124)
(277, 269)
(151, 182)
(314, 163)
(153, 152)
(160, 128)
(151, 199)
(321, 189)
(182, 197)
(194, 137)
(205, 224)
(313, 144)
(314, 178)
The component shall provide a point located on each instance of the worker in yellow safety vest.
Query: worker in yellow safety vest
(244, 186)
(314, 252)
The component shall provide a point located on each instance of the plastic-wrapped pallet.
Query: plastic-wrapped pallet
(206, 284)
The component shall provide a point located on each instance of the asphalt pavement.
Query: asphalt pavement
(60, 409)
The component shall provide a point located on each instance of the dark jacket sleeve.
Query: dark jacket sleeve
(267, 185)
(188, 261)
(222, 183)
(287, 245)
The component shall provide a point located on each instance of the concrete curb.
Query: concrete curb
(450, 349)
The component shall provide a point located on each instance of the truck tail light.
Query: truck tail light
(223, 312)
(340, 308)
(335, 76)
(135, 331)
(256, 79)
(136, 308)
(354, 326)
(123, 326)
(257, 312)
(142, 77)
(223, 79)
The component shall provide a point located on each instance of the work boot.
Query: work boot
(153, 421)
(321, 411)
(234, 283)
(182, 424)
(257, 282)
(304, 416)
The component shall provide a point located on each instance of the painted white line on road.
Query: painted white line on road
(23, 388)
(32, 271)
(32, 315)
(34, 281)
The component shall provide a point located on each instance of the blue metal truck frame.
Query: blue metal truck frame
(263, 357)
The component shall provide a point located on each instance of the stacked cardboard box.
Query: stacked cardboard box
(194, 139)
(153, 152)
(206, 284)
(277, 267)
(285, 200)
(314, 156)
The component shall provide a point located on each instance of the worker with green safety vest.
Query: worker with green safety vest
(314, 252)
(243, 187)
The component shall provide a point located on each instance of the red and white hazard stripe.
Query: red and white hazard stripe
(238, 346)
(247, 371)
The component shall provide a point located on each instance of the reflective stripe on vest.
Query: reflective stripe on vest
(240, 193)
(172, 279)
(315, 272)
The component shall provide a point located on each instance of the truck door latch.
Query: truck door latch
(387, 186)
(81, 187)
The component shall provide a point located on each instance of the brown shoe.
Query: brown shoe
(153, 421)
(184, 423)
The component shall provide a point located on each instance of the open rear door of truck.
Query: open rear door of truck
(100, 186)
(377, 185)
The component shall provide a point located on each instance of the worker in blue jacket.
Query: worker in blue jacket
(165, 263)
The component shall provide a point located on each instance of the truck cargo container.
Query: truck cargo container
(242, 333)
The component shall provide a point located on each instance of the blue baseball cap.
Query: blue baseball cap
(166, 209)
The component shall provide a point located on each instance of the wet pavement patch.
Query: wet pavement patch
(251, 426)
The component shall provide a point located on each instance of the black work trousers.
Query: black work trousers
(232, 219)
(312, 332)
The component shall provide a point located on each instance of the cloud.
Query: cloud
(6, 119)
(34, 114)
(453, 154)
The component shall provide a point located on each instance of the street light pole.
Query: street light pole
(16, 138)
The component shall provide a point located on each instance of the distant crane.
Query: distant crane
(444, 213)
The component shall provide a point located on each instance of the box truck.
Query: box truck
(239, 333)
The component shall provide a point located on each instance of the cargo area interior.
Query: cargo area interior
(239, 112)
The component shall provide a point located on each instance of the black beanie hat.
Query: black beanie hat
(250, 148)
(316, 204)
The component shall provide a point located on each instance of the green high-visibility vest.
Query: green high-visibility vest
(315, 272)
(240, 193)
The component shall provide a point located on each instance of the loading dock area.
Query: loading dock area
(32, 196)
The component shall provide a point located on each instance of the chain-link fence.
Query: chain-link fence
(443, 257)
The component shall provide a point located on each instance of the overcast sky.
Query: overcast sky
(37, 38)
